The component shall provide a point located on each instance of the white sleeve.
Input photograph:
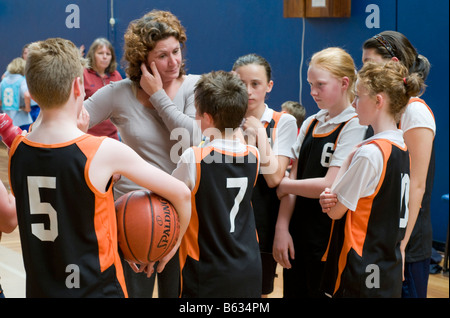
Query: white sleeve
(100, 104)
(180, 112)
(186, 169)
(417, 115)
(361, 178)
(295, 149)
(351, 135)
(285, 136)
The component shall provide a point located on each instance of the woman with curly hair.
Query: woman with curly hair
(156, 98)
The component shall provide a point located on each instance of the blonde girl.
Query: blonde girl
(371, 192)
(325, 140)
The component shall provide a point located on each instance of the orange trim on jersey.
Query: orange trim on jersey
(189, 243)
(255, 153)
(330, 132)
(105, 222)
(57, 145)
(276, 118)
(325, 255)
(357, 221)
(11, 152)
(419, 100)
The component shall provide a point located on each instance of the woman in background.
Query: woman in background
(100, 72)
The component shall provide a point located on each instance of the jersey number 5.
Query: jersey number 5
(38, 207)
(240, 183)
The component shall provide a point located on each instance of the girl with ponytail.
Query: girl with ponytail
(369, 199)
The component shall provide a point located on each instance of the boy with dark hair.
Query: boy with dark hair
(219, 255)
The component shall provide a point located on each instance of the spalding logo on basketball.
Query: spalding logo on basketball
(148, 226)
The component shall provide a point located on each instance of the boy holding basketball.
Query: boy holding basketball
(61, 178)
(219, 254)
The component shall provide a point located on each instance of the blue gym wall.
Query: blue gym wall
(219, 31)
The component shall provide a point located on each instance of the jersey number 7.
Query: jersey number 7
(242, 184)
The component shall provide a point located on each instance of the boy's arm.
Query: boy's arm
(114, 157)
(8, 215)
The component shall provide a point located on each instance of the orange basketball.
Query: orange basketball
(148, 226)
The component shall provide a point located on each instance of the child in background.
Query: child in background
(299, 112)
(61, 178)
(14, 99)
(295, 109)
(273, 133)
(219, 255)
(325, 140)
(372, 191)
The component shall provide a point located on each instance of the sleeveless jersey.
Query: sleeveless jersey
(310, 227)
(219, 254)
(67, 228)
(265, 200)
(363, 256)
(11, 94)
(420, 243)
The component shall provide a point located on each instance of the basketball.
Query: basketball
(148, 226)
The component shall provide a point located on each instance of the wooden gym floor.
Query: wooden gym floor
(12, 273)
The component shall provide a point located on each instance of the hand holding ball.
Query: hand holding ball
(148, 226)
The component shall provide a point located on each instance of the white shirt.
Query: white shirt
(186, 170)
(351, 135)
(363, 175)
(417, 115)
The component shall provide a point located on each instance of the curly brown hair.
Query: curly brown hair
(143, 34)
(394, 80)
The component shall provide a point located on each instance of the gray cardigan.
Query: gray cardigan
(148, 131)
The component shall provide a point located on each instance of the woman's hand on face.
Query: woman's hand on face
(150, 82)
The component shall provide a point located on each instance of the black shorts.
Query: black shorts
(269, 268)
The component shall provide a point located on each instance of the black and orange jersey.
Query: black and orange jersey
(67, 228)
(265, 200)
(219, 254)
(363, 258)
(309, 227)
(420, 243)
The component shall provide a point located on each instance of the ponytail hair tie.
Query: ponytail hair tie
(404, 81)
